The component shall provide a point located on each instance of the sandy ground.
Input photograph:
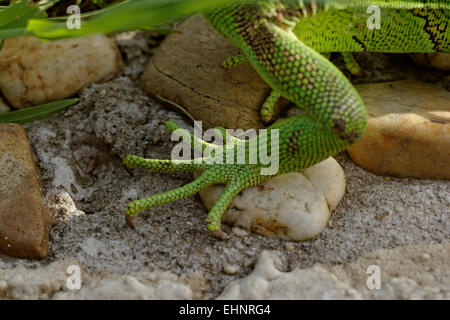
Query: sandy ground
(115, 118)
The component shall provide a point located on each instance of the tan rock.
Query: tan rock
(294, 206)
(408, 133)
(436, 60)
(24, 219)
(186, 69)
(34, 72)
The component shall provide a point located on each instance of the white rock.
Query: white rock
(50, 282)
(34, 72)
(230, 269)
(29, 284)
(61, 205)
(129, 287)
(407, 289)
(295, 206)
(239, 232)
(403, 272)
(267, 282)
(328, 178)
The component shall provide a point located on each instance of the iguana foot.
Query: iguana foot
(236, 177)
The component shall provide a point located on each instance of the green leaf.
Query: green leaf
(11, 33)
(127, 15)
(36, 113)
(17, 15)
(14, 19)
(47, 4)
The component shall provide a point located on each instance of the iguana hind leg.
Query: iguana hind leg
(267, 109)
(334, 114)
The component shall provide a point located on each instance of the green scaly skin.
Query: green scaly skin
(281, 39)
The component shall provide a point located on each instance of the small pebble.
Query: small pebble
(425, 257)
(289, 247)
(230, 269)
(239, 232)
(382, 216)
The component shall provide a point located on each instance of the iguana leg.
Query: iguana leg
(234, 61)
(351, 64)
(268, 107)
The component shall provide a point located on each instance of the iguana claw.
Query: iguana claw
(220, 234)
(130, 221)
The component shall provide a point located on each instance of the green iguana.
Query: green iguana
(282, 40)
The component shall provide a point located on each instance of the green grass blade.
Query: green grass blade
(18, 14)
(47, 4)
(14, 19)
(11, 33)
(36, 113)
(127, 15)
